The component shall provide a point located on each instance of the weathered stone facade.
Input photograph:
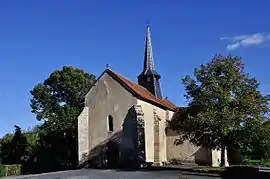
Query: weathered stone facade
(186, 152)
(139, 129)
(83, 135)
(124, 122)
(107, 97)
(141, 134)
(156, 140)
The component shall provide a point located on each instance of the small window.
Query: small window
(110, 123)
(148, 79)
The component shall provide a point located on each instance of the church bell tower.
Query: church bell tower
(149, 78)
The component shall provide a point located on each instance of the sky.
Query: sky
(38, 37)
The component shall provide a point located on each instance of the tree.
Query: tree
(224, 106)
(30, 165)
(5, 148)
(260, 144)
(57, 102)
(14, 147)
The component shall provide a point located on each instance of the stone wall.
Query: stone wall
(83, 141)
(152, 112)
(107, 97)
(189, 153)
(184, 152)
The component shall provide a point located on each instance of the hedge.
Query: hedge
(10, 170)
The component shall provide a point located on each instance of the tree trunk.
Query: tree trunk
(222, 157)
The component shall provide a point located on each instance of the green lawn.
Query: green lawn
(262, 162)
(209, 169)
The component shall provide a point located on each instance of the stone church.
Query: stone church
(126, 122)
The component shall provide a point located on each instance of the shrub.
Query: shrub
(10, 170)
(2, 170)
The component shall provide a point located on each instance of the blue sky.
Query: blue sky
(37, 37)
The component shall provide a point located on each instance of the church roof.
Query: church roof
(141, 92)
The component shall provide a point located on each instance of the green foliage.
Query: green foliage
(235, 156)
(13, 147)
(262, 162)
(10, 170)
(58, 101)
(225, 106)
(61, 95)
(13, 169)
(209, 169)
(261, 144)
(52, 145)
(2, 170)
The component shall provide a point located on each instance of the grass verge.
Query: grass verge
(215, 170)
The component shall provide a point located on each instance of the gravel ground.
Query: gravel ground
(113, 174)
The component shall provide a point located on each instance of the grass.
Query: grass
(262, 162)
(209, 169)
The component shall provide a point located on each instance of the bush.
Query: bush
(10, 170)
(2, 170)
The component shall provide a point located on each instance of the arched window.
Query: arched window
(110, 123)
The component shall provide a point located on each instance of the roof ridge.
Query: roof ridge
(133, 82)
(130, 81)
(141, 92)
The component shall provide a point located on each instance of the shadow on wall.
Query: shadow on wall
(185, 152)
(129, 142)
(119, 150)
(203, 156)
(104, 155)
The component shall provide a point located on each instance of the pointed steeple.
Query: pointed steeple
(148, 54)
(149, 78)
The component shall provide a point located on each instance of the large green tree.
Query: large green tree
(225, 107)
(13, 148)
(58, 101)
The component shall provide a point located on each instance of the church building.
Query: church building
(125, 122)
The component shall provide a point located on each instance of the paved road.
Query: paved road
(113, 174)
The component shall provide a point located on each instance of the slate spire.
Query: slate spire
(148, 54)
(149, 78)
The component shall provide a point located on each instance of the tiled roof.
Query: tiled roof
(141, 92)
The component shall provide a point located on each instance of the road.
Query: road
(113, 174)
